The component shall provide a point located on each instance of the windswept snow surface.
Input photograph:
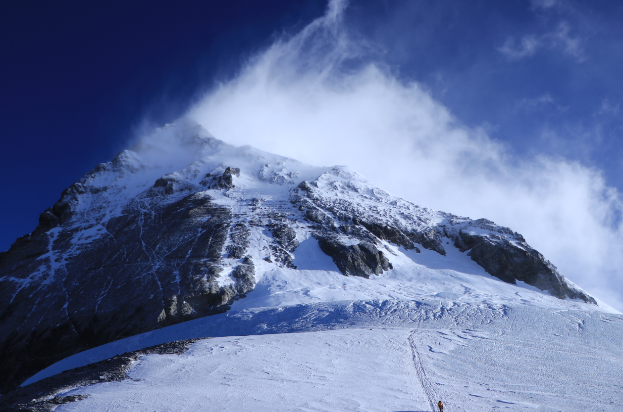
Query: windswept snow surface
(340, 370)
(393, 354)
(381, 356)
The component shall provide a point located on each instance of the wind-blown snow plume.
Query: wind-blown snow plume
(324, 98)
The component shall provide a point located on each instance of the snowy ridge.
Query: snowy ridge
(128, 180)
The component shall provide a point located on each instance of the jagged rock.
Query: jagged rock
(285, 236)
(245, 276)
(500, 251)
(61, 400)
(239, 236)
(236, 251)
(429, 239)
(285, 243)
(223, 181)
(512, 263)
(389, 233)
(318, 216)
(305, 185)
(62, 209)
(48, 220)
(146, 249)
(361, 260)
(171, 184)
(226, 181)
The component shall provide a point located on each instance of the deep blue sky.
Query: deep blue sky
(77, 77)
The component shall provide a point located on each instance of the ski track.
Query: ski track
(427, 386)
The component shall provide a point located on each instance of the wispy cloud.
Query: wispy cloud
(560, 38)
(317, 97)
(539, 103)
(572, 46)
(525, 47)
(544, 4)
(608, 108)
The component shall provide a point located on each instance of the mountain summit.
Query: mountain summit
(184, 226)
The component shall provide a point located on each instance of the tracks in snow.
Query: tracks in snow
(429, 388)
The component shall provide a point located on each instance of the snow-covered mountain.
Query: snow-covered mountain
(187, 237)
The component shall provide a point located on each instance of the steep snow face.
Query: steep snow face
(184, 226)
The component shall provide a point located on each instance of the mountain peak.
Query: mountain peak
(184, 226)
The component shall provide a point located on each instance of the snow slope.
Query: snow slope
(453, 279)
(314, 340)
(380, 356)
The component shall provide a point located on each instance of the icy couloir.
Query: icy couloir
(183, 225)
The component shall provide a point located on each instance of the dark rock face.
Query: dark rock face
(318, 216)
(48, 220)
(512, 263)
(387, 232)
(224, 181)
(245, 277)
(361, 260)
(239, 235)
(170, 184)
(156, 266)
(429, 239)
(285, 238)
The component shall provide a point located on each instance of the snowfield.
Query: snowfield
(310, 346)
(350, 369)
(521, 360)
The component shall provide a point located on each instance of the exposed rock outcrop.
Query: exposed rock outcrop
(245, 276)
(512, 261)
(363, 259)
(156, 265)
(239, 235)
(221, 181)
(286, 243)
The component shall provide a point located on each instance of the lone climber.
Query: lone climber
(440, 404)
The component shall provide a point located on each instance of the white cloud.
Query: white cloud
(313, 97)
(527, 46)
(535, 103)
(544, 4)
(608, 108)
(573, 46)
(559, 38)
(539, 103)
